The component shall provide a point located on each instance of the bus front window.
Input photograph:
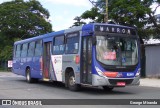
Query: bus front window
(117, 51)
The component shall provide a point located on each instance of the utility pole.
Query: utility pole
(106, 14)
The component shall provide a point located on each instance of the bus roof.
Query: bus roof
(87, 27)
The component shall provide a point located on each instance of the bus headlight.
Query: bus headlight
(138, 72)
(100, 73)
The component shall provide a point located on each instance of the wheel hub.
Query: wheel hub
(72, 81)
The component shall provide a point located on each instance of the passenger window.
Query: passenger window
(58, 45)
(24, 50)
(18, 51)
(31, 49)
(38, 48)
(72, 43)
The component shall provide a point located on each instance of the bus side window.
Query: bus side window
(24, 50)
(38, 48)
(18, 51)
(72, 43)
(58, 45)
(31, 49)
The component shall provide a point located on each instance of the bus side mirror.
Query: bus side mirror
(94, 41)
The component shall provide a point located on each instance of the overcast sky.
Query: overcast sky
(62, 12)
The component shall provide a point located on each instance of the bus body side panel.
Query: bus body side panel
(16, 66)
(22, 66)
(35, 65)
(69, 62)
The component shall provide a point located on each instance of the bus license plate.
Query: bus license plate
(121, 83)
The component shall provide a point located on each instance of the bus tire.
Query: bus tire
(107, 88)
(71, 82)
(28, 76)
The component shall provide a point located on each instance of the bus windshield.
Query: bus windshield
(117, 51)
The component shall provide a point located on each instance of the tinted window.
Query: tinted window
(72, 43)
(31, 49)
(38, 48)
(58, 45)
(24, 50)
(18, 50)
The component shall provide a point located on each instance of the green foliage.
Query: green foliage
(126, 12)
(78, 21)
(21, 19)
(93, 14)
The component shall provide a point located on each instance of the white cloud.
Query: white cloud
(154, 7)
(63, 26)
(84, 3)
(1, 1)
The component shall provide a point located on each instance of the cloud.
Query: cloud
(84, 3)
(154, 7)
(1, 1)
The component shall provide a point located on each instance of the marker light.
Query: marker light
(77, 59)
(111, 74)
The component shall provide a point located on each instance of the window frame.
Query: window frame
(67, 37)
(36, 54)
(54, 39)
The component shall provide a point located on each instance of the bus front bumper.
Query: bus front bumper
(105, 81)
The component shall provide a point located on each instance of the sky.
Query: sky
(62, 12)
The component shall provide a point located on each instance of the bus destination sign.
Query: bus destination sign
(115, 29)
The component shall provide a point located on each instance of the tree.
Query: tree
(93, 14)
(27, 19)
(20, 20)
(78, 21)
(127, 12)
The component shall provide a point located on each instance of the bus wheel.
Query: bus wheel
(72, 83)
(107, 88)
(28, 76)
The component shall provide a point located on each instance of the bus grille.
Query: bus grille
(114, 81)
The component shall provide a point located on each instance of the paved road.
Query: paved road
(15, 87)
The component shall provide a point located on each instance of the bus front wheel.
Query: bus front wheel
(107, 88)
(72, 83)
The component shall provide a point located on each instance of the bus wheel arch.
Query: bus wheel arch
(70, 80)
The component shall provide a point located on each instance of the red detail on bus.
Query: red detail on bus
(111, 74)
(121, 84)
(77, 59)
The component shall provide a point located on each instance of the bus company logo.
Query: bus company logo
(6, 102)
(130, 74)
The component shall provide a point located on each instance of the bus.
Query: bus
(95, 54)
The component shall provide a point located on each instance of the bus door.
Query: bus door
(46, 60)
(86, 58)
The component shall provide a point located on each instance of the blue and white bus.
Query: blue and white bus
(105, 55)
